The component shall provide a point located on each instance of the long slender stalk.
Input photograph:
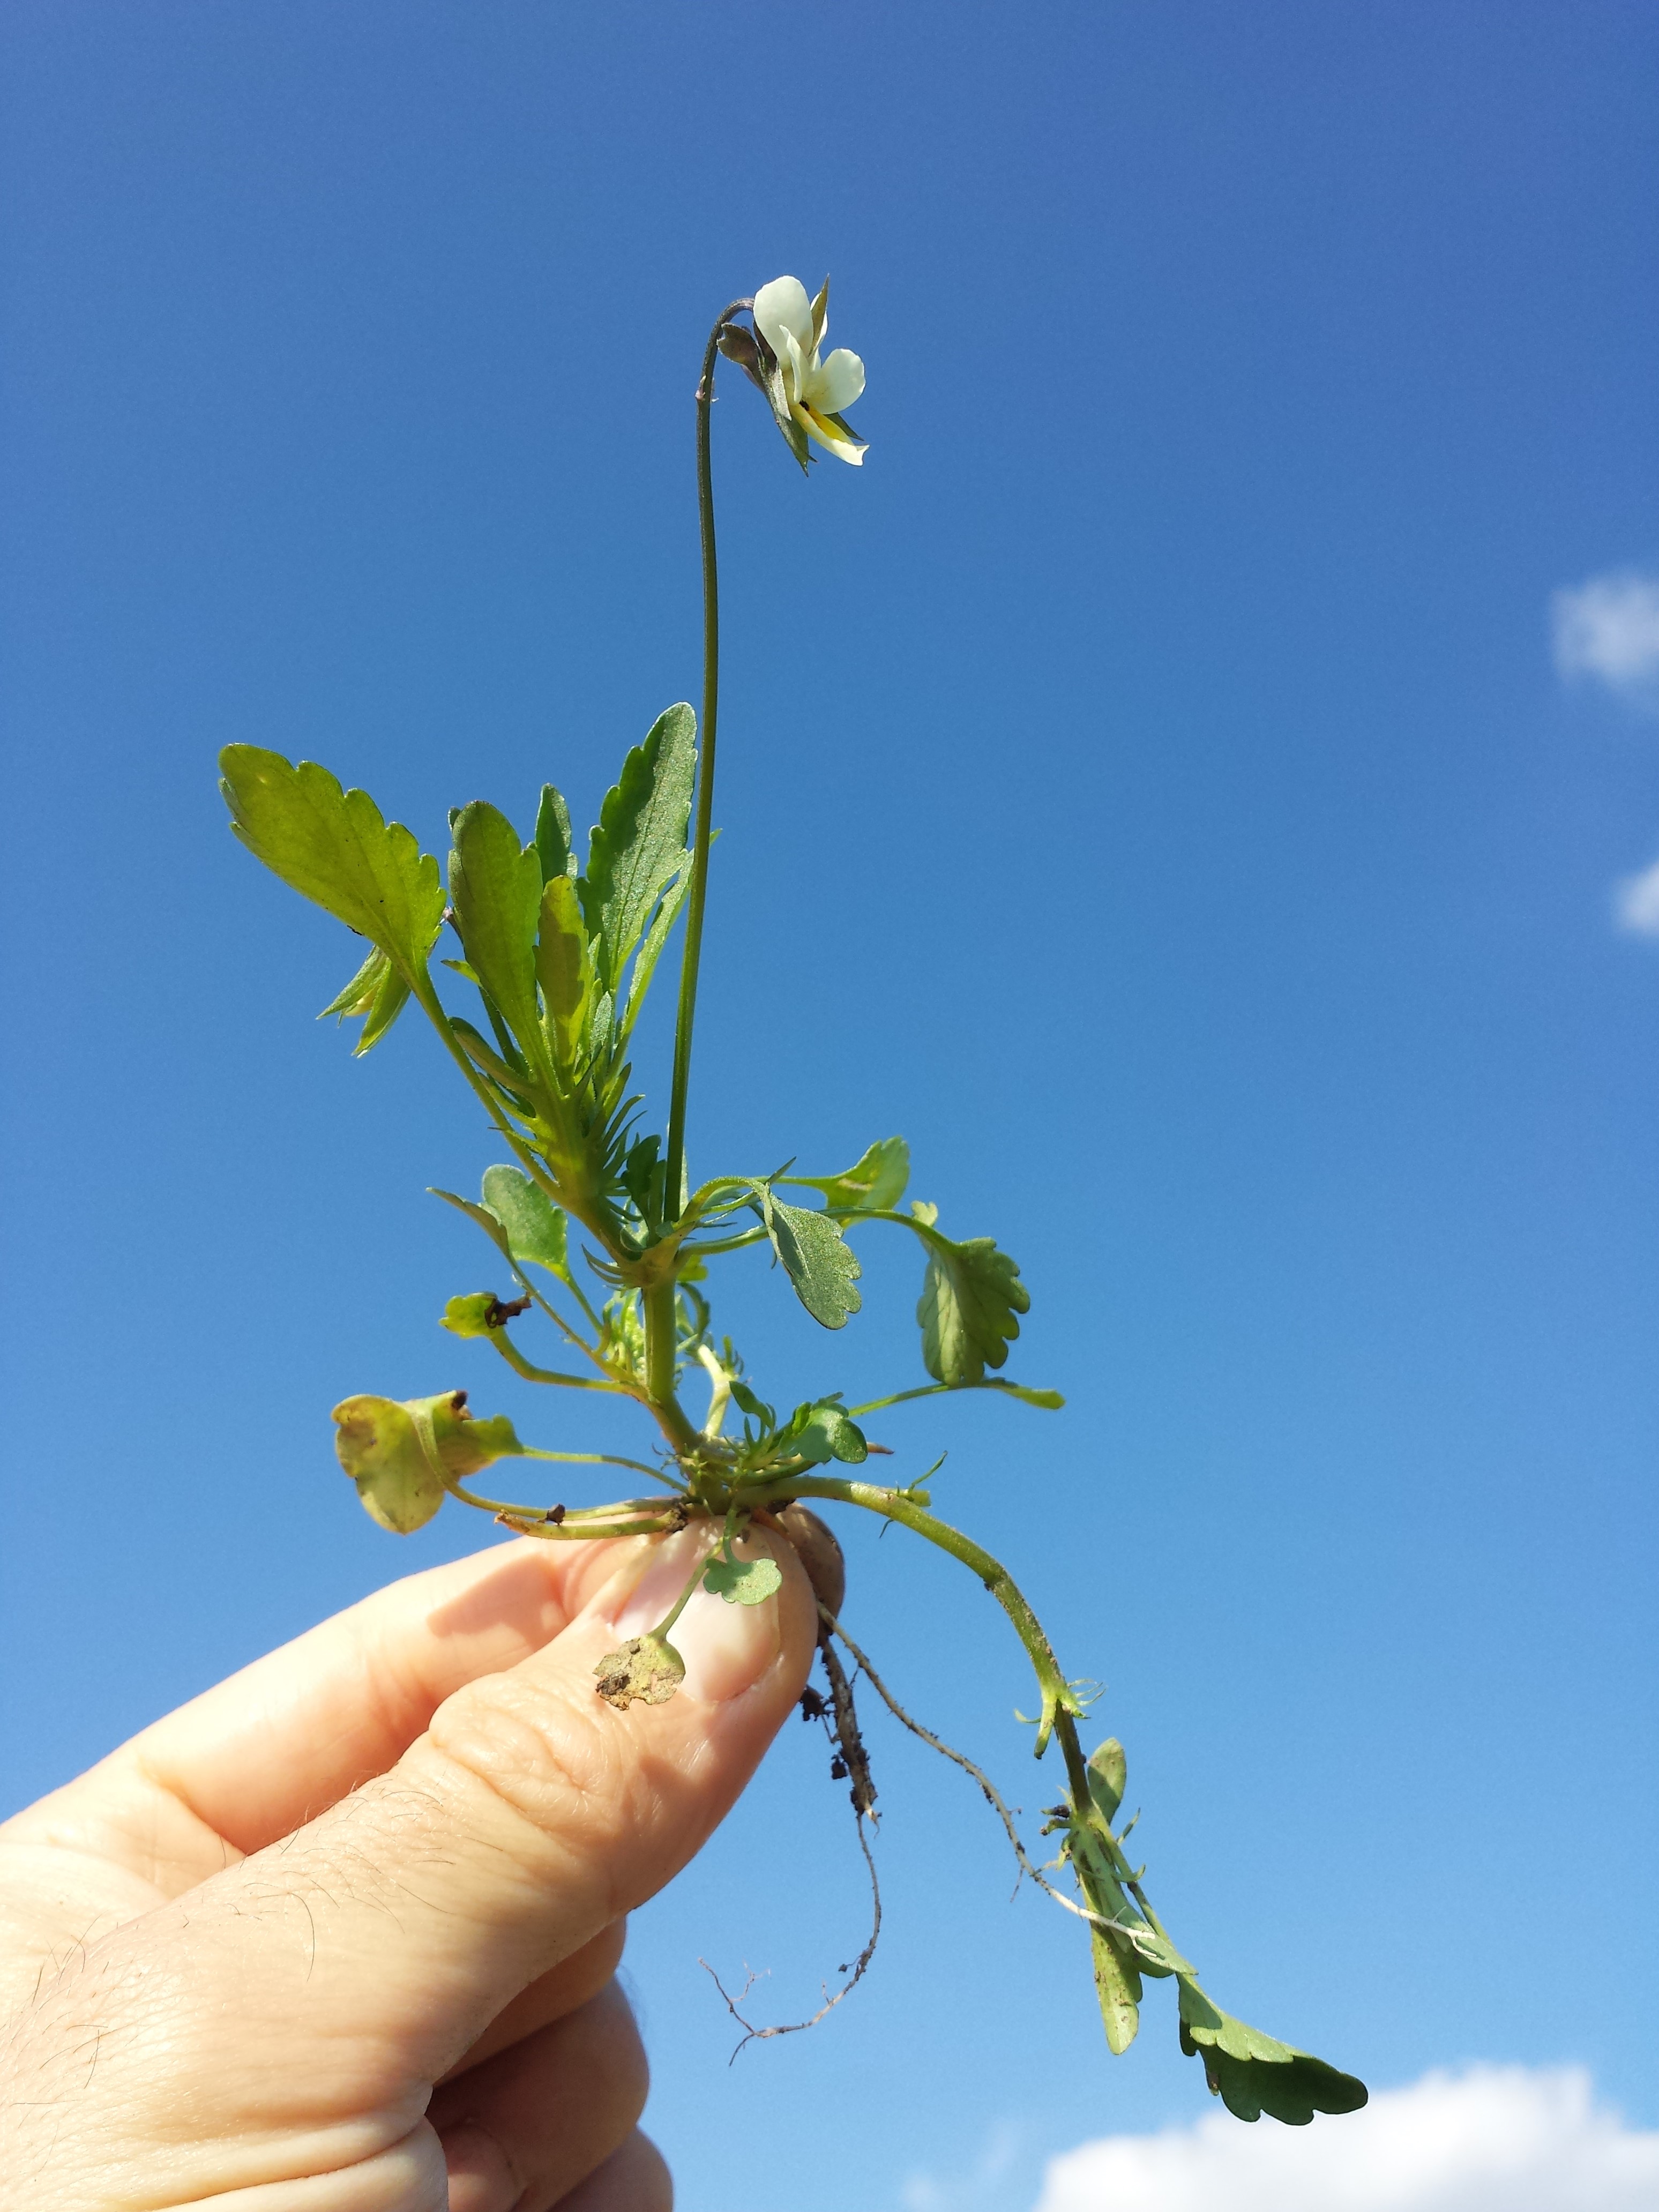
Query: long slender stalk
(659, 1330)
(691, 954)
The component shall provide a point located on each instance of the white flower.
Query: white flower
(808, 395)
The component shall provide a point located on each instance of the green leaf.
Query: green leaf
(638, 847)
(742, 1581)
(1252, 2072)
(563, 967)
(334, 847)
(756, 1409)
(820, 1267)
(824, 1434)
(1049, 1401)
(399, 1452)
(496, 889)
(1117, 1986)
(655, 938)
(874, 1184)
(485, 1219)
(534, 1227)
(1107, 1772)
(553, 847)
(971, 1295)
(379, 992)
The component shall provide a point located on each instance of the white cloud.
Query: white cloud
(1635, 902)
(1495, 2139)
(1608, 629)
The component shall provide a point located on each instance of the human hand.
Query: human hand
(341, 1934)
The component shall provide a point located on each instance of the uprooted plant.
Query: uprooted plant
(560, 950)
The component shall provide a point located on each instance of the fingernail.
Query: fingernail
(726, 1647)
(480, 2177)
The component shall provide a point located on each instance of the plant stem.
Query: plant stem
(659, 1314)
(692, 951)
(1058, 1700)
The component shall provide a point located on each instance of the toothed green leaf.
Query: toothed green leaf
(822, 1267)
(334, 847)
(639, 844)
(534, 1227)
(1252, 2072)
(970, 1295)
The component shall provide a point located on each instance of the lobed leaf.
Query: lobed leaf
(970, 1295)
(742, 1581)
(334, 847)
(822, 1267)
(638, 846)
(1252, 2072)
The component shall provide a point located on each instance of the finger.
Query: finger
(634, 2178)
(550, 1997)
(287, 1737)
(529, 2126)
(374, 1947)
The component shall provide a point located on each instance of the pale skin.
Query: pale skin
(342, 1935)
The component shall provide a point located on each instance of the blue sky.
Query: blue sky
(1163, 783)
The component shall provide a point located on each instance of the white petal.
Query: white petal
(836, 384)
(782, 306)
(793, 364)
(835, 440)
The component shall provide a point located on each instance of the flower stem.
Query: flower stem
(692, 952)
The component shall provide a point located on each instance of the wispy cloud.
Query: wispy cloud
(1607, 629)
(934, 2192)
(1495, 2139)
(1635, 902)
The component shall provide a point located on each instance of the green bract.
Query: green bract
(536, 1001)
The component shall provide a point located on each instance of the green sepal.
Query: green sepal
(379, 992)
(1252, 2072)
(496, 889)
(742, 1581)
(638, 846)
(334, 846)
(399, 1452)
(874, 1184)
(821, 1265)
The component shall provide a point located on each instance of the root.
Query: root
(993, 1797)
(854, 1973)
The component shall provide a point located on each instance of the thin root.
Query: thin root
(854, 1973)
(993, 1795)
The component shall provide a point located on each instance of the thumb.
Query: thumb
(372, 1947)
